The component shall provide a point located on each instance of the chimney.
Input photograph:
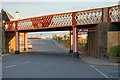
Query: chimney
(17, 15)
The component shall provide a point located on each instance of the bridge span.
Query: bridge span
(100, 19)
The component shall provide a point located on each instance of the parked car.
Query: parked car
(29, 45)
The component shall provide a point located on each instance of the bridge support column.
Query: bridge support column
(17, 39)
(75, 36)
(25, 41)
(75, 41)
(71, 41)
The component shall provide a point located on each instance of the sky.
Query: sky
(45, 7)
(59, 0)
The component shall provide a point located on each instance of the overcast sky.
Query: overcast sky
(30, 9)
(59, 0)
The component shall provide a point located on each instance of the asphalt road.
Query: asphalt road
(48, 59)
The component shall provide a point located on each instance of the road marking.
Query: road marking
(10, 66)
(99, 71)
(5, 54)
(25, 62)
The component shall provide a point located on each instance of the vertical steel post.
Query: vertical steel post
(17, 38)
(25, 41)
(71, 41)
(17, 51)
(75, 36)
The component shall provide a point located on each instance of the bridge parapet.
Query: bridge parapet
(56, 20)
(89, 17)
(86, 17)
(114, 14)
(61, 20)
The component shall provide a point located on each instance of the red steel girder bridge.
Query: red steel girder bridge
(64, 21)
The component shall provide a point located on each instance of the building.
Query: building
(4, 17)
(9, 39)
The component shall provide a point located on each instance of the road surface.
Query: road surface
(48, 59)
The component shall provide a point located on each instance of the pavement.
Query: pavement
(6, 54)
(0, 67)
(98, 61)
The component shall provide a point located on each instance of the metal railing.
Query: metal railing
(114, 14)
(89, 17)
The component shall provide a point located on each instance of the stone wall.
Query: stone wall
(105, 36)
(21, 41)
(92, 44)
(113, 39)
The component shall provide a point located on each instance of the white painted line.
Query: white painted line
(5, 54)
(10, 66)
(25, 62)
(99, 71)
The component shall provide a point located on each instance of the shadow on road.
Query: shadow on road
(47, 54)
